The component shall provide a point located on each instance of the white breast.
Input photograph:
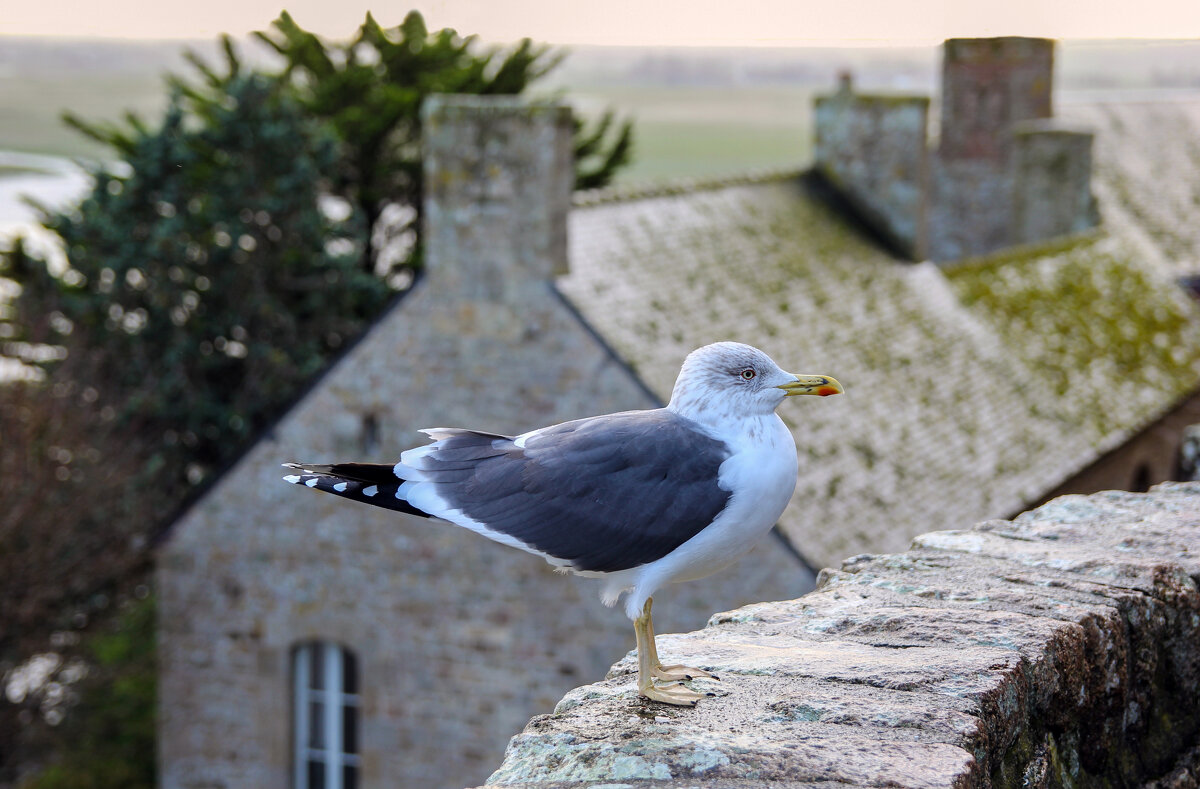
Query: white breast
(761, 475)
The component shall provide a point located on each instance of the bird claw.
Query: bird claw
(680, 673)
(674, 693)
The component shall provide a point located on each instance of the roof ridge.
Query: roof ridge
(677, 186)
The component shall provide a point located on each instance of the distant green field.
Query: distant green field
(31, 106)
(679, 132)
(699, 132)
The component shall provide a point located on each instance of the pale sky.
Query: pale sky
(671, 22)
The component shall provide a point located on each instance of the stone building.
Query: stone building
(303, 639)
(306, 641)
(1004, 171)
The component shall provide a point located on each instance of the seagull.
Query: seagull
(638, 499)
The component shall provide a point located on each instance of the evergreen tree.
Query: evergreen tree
(206, 285)
(370, 90)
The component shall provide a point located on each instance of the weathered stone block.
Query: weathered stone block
(1061, 649)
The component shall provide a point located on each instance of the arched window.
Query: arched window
(325, 711)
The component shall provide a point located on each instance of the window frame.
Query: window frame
(334, 701)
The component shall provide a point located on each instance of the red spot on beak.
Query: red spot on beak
(825, 391)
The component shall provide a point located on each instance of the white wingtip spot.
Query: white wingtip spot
(341, 487)
(371, 491)
(292, 478)
(312, 483)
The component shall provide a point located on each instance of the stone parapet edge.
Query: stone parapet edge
(1061, 648)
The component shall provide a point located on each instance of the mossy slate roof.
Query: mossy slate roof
(970, 391)
(1147, 175)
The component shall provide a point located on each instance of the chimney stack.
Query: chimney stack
(499, 174)
(988, 84)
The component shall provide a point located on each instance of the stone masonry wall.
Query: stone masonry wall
(1061, 649)
(988, 188)
(970, 208)
(872, 148)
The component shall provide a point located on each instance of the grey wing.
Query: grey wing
(604, 494)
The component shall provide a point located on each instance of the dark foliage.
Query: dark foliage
(111, 728)
(370, 90)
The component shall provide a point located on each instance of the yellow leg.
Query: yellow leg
(649, 667)
(677, 672)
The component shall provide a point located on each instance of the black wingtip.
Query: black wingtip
(380, 495)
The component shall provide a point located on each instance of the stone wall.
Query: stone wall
(970, 208)
(872, 148)
(1003, 174)
(989, 84)
(1061, 649)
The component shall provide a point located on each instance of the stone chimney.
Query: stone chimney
(498, 180)
(989, 84)
(1003, 173)
(1052, 181)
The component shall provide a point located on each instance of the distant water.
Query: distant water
(56, 183)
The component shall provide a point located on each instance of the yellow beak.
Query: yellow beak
(821, 385)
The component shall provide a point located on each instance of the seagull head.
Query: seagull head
(729, 380)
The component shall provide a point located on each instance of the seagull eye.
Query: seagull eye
(748, 374)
